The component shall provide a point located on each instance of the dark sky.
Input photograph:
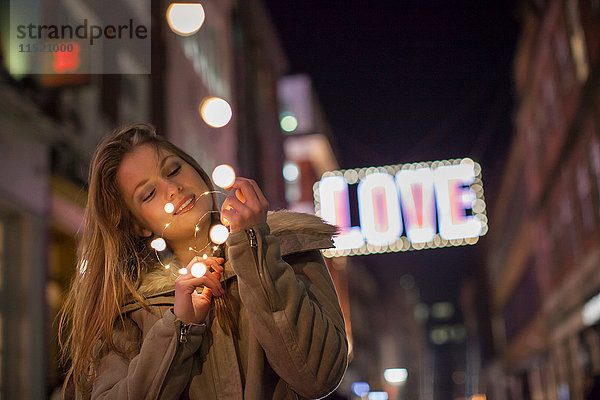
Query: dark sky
(405, 81)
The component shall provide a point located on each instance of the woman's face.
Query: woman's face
(149, 179)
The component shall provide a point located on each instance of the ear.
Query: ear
(142, 232)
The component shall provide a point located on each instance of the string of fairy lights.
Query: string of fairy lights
(223, 176)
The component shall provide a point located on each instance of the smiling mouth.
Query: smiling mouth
(186, 206)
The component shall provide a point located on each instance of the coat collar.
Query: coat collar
(297, 232)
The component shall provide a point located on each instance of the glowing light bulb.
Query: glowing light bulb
(183, 271)
(223, 176)
(169, 208)
(198, 269)
(216, 112)
(219, 234)
(185, 19)
(204, 256)
(158, 244)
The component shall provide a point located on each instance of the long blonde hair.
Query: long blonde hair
(113, 258)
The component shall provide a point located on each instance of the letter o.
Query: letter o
(379, 208)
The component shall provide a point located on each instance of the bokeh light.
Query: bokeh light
(360, 388)
(459, 377)
(216, 112)
(185, 19)
(198, 269)
(442, 310)
(169, 208)
(377, 396)
(291, 172)
(395, 375)
(288, 123)
(219, 234)
(158, 244)
(223, 176)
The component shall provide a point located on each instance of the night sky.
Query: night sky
(406, 81)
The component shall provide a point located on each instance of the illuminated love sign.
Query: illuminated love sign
(404, 207)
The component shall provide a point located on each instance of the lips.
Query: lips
(185, 205)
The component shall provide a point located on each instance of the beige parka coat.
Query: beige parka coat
(292, 338)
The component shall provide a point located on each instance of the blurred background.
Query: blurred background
(286, 91)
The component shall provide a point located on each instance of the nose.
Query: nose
(173, 189)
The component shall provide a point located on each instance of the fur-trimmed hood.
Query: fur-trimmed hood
(297, 232)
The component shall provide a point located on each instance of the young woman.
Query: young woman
(263, 322)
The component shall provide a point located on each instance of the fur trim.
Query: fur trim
(158, 281)
(284, 220)
(297, 232)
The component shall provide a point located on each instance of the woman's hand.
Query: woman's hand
(190, 306)
(247, 208)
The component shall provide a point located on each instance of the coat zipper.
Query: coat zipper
(254, 247)
(183, 333)
(253, 241)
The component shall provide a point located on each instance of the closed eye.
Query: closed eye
(175, 171)
(149, 195)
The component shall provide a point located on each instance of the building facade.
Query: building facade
(544, 260)
(50, 125)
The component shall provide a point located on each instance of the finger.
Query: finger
(183, 285)
(250, 193)
(235, 218)
(219, 260)
(247, 191)
(214, 264)
(207, 290)
(226, 216)
(209, 280)
(240, 195)
(223, 219)
(215, 278)
(233, 204)
(231, 219)
(215, 260)
(207, 293)
(261, 196)
(212, 281)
